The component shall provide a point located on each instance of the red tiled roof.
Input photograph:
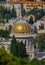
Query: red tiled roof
(27, 2)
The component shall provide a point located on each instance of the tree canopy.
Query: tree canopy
(37, 13)
(40, 40)
(4, 34)
(18, 48)
(9, 59)
(31, 20)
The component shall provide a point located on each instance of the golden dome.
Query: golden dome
(21, 27)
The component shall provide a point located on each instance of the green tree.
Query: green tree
(4, 34)
(41, 14)
(7, 58)
(7, 16)
(18, 48)
(40, 40)
(23, 12)
(1, 11)
(2, 20)
(13, 13)
(35, 62)
(31, 20)
(34, 12)
(42, 61)
(22, 50)
(13, 48)
(1, 8)
(10, 28)
(37, 13)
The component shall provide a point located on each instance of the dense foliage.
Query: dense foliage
(37, 13)
(2, 20)
(31, 20)
(18, 48)
(7, 14)
(40, 40)
(9, 59)
(4, 34)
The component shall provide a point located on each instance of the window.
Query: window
(28, 43)
(30, 55)
(25, 42)
(41, 26)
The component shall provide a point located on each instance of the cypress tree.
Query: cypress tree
(31, 20)
(13, 48)
(18, 48)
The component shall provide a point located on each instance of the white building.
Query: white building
(23, 32)
(18, 6)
